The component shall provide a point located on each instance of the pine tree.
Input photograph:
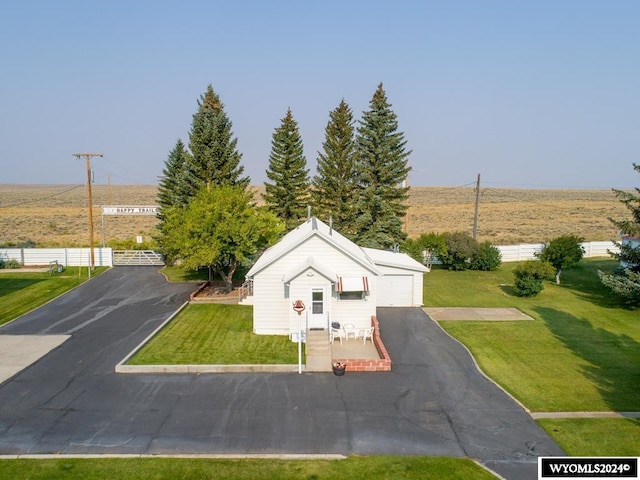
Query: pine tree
(382, 174)
(175, 188)
(287, 195)
(336, 181)
(625, 281)
(216, 160)
(176, 183)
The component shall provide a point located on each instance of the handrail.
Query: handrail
(245, 290)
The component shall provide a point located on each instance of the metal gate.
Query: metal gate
(137, 257)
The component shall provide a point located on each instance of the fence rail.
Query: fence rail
(71, 257)
(104, 257)
(528, 251)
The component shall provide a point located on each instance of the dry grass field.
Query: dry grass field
(57, 215)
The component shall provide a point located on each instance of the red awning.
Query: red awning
(353, 284)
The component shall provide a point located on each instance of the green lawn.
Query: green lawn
(353, 468)
(581, 352)
(595, 436)
(213, 334)
(177, 274)
(21, 292)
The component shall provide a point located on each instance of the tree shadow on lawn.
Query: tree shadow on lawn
(584, 280)
(612, 361)
(13, 284)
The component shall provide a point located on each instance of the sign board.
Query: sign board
(130, 209)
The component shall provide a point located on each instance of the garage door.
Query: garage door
(395, 291)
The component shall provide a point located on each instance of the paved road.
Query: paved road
(434, 402)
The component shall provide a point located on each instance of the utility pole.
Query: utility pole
(475, 215)
(87, 157)
(405, 184)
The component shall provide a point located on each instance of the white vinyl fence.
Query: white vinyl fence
(528, 251)
(70, 257)
(74, 257)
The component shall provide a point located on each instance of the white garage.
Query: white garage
(402, 279)
(395, 291)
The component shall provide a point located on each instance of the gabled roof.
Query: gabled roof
(309, 264)
(389, 258)
(312, 227)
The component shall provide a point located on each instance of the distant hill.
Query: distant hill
(56, 215)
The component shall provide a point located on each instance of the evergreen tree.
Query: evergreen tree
(174, 189)
(216, 160)
(382, 173)
(287, 193)
(625, 281)
(176, 184)
(336, 181)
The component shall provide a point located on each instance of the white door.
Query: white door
(395, 291)
(318, 310)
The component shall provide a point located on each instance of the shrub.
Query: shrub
(10, 263)
(486, 258)
(530, 275)
(461, 248)
(528, 286)
(432, 243)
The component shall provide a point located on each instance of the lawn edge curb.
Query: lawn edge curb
(222, 456)
(122, 362)
(121, 366)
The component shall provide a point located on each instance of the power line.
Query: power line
(27, 202)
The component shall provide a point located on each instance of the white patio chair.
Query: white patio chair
(350, 329)
(367, 333)
(335, 333)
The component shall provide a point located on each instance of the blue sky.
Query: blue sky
(526, 93)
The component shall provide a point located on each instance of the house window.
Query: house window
(317, 302)
(352, 288)
(351, 295)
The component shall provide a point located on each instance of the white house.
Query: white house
(335, 279)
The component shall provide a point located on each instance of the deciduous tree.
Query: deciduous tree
(220, 229)
(563, 252)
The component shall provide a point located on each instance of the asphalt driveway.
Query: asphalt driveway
(433, 402)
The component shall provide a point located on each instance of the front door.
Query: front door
(318, 315)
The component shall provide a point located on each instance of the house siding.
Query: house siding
(273, 299)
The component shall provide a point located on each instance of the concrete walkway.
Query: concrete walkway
(540, 415)
(17, 352)
(479, 314)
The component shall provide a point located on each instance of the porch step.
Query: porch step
(318, 351)
(246, 301)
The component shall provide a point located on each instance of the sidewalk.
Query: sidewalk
(17, 352)
(540, 415)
